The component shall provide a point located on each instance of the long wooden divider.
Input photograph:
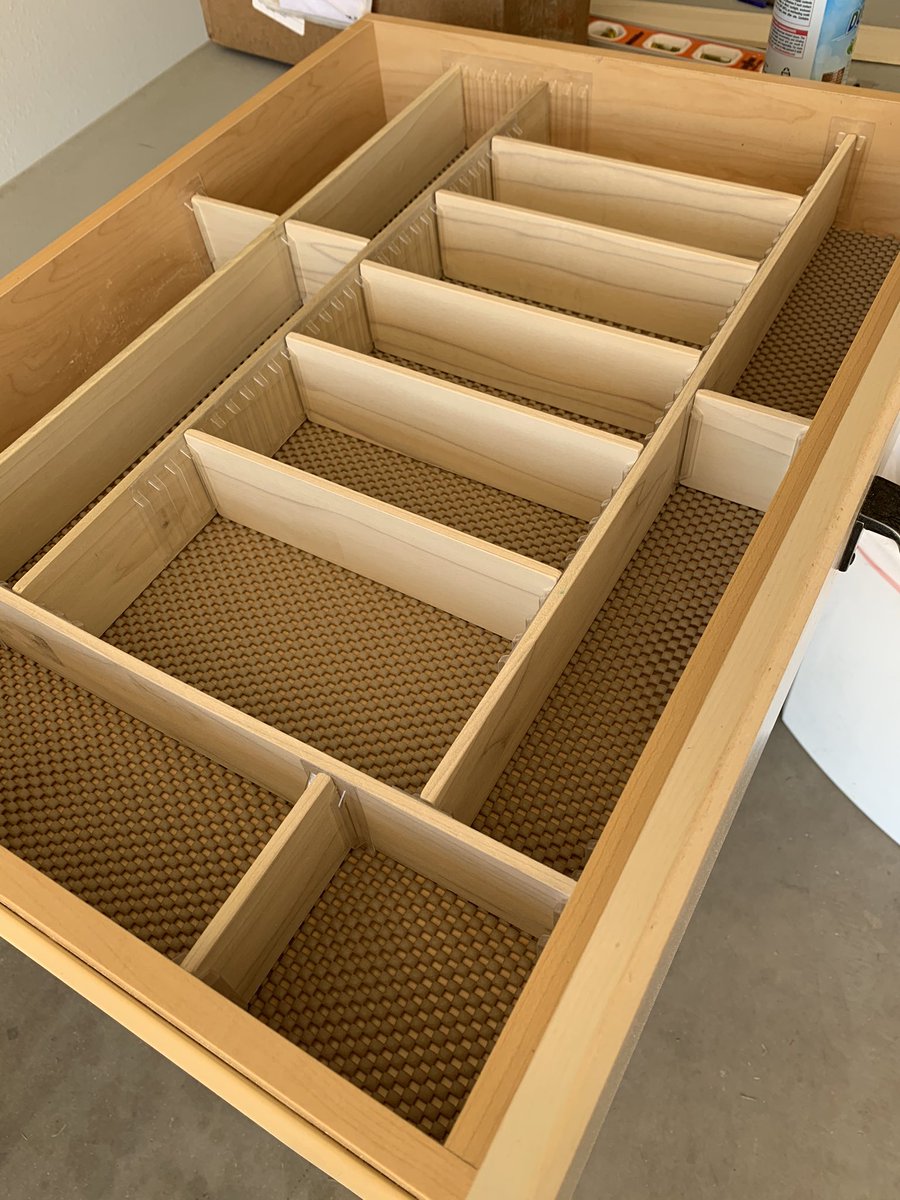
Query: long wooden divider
(660, 287)
(715, 214)
(608, 374)
(470, 578)
(543, 458)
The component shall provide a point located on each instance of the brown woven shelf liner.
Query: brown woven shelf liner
(539, 405)
(141, 827)
(398, 985)
(563, 781)
(799, 356)
(473, 508)
(377, 679)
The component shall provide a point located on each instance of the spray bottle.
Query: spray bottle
(813, 39)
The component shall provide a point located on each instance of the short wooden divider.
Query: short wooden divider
(609, 374)
(227, 228)
(247, 935)
(660, 287)
(66, 459)
(543, 458)
(470, 578)
(738, 450)
(715, 214)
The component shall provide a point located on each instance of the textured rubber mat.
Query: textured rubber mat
(398, 985)
(463, 504)
(141, 827)
(377, 679)
(563, 781)
(796, 361)
(578, 418)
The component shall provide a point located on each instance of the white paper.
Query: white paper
(295, 24)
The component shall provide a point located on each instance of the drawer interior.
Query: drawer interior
(362, 671)
(140, 826)
(445, 545)
(398, 985)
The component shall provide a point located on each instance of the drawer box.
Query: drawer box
(464, 602)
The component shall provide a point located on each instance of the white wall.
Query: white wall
(63, 63)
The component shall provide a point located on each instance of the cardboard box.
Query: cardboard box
(234, 23)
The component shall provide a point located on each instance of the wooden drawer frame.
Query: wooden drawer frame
(535, 1108)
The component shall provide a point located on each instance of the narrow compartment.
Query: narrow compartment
(399, 985)
(359, 670)
(561, 784)
(623, 379)
(664, 288)
(716, 214)
(797, 359)
(148, 831)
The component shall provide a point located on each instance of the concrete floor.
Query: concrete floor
(770, 1065)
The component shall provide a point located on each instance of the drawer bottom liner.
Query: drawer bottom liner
(398, 985)
(141, 827)
(562, 783)
(474, 508)
(799, 356)
(369, 675)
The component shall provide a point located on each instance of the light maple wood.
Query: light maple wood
(318, 254)
(757, 308)
(738, 450)
(71, 455)
(775, 134)
(501, 880)
(713, 214)
(463, 779)
(551, 461)
(225, 1079)
(249, 932)
(373, 184)
(676, 806)
(137, 256)
(227, 228)
(108, 558)
(94, 574)
(656, 286)
(468, 577)
(608, 374)
(171, 997)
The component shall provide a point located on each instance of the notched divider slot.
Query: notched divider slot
(625, 379)
(663, 287)
(551, 461)
(470, 578)
(738, 450)
(697, 210)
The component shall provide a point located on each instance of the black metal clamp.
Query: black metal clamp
(880, 513)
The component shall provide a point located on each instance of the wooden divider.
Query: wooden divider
(104, 562)
(609, 374)
(501, 880)
(732, 218)
(738, 450)
(543, 458)
(227, 228)
(373, 184)
(464, 777)
(69, 457)
(318, 254)
(747, 324)
(661, 287)
(247, 935)
(485, 584)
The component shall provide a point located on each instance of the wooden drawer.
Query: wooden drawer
(376, 716)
